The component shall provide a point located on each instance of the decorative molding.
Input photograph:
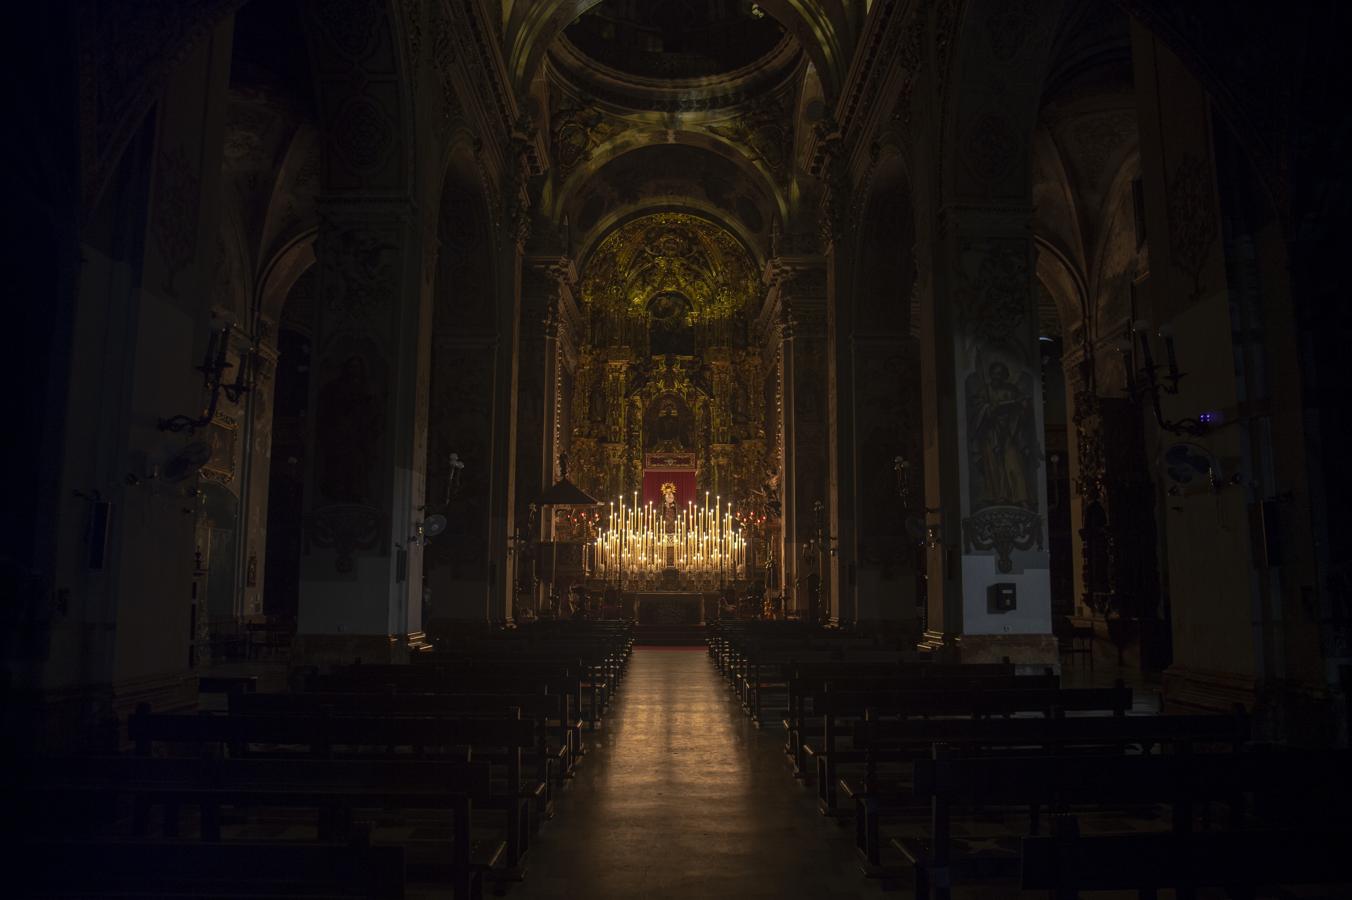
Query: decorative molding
(1003, 529)
(346, 528)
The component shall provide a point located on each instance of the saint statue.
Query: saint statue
(669, 505)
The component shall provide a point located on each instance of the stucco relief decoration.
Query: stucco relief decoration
(1003, 530)
(1192, 217)
(443, 60)
(1098, 137)
(350, 24)
(995, 301)
(765, 131)
(364, 134)
(413, 27)
(361, 272)
(990, 148)
(1008, 28)
(176, 211)
(578, 128)
(348, 529)
(351, 412)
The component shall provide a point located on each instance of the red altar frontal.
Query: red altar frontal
(677, 469)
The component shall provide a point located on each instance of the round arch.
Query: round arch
(617, 148)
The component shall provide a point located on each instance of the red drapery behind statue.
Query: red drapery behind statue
(684, 479)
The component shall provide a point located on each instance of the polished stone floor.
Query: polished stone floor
(681, 797)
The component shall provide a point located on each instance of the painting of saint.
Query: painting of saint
(1003, 451)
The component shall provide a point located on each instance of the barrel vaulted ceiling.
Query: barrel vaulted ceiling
(653, 104)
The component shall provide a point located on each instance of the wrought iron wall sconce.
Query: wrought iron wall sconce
(822, 541)
(213, 368)
(902, 468)
(1145, 382)
(455, 477)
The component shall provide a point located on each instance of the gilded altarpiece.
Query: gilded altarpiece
(667, 363)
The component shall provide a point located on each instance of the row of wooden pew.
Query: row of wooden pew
(365, 779)
(992, 774)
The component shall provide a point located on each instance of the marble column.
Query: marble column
(985, 485)
(361, 572)
(796, 300)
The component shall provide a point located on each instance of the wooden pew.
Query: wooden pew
(877, 797)
(809, 680)
(323, 737)
(442, 680)
(1057, 784)
(834, 706)
(157, 868)
(334, 791)
(555, 753)
(1065, 862)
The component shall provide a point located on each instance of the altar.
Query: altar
(671, 608)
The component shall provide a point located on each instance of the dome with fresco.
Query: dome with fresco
(675, 39)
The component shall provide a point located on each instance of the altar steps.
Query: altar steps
(669, 635)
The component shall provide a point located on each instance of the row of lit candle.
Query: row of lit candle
(702, 542)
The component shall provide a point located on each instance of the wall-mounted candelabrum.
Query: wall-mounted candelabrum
(215, 364)
(1146, 383)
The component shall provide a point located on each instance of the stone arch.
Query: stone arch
(1116, 256)
(279, 275)
(616, 149)
(1064, 283)
(621, 216)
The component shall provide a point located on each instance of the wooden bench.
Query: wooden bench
(834, 706)
(877, 797)
(810, 681)
(555, 751)
(1057, 784)
(1065, 862)
(158, 868)
(501, 738)
(565, 683)
(333, 791)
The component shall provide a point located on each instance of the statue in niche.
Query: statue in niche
(1002, 449)
(669, 331)
(351, 419)
(596, 400)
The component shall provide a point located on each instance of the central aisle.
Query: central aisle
(681, 797)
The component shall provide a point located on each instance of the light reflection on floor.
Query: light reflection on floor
(682, 797)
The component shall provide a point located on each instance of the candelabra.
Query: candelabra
(1145, 383)
(213, 369)
(702, 544)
